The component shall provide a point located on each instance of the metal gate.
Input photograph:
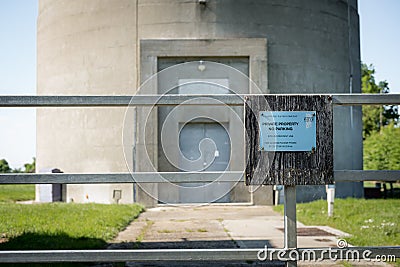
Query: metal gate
(38, 256)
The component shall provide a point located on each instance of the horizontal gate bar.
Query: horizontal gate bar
(366, 99)
(162, 100)
(137, 177)
(317, 254)
(121, 101)
(173, 177)
(362, 175)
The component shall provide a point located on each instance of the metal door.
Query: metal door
(199, 122)
(204, 147)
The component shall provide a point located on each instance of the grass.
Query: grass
(373, 222)
(13, 193)
(57, 225)
(62, 225)
(165, 231)
(200, 230)
(346, 264)
(143, 232)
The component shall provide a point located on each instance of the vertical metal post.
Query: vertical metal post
(134, 137)
(290, 240)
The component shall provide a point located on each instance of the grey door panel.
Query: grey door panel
(190, 138)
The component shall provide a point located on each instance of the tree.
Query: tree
(382, 149)
(4, 167)
(375, 117)
(30, 167)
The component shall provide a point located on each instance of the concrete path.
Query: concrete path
(219, 227)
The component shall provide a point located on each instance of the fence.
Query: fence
(41, 256)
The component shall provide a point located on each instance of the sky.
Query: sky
(380, 43)
(380, 39)
(18, 77)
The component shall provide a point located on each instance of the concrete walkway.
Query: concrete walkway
(219, 227)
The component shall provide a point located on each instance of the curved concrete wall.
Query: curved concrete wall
(307, 40)
(92, 47)
(85, 48)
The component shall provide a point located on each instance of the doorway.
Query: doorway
(199, 138)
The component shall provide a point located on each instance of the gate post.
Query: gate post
(290, 241)
(289, 142)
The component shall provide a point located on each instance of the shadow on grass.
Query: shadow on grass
(37, 241)
(33, 241)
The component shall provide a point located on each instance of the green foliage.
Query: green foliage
(371, 119)
(62, 225)
(373, 222)
(382, 149)
(12, 193)
(368, 83)
(30, 167)
(374, 117)
(4, 167)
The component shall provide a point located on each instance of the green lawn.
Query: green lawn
(57, 225)
(372, 222)
(12, 193)
(62, 225)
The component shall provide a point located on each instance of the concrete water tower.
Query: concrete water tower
(110, 47)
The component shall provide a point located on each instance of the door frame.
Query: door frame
(153, 49)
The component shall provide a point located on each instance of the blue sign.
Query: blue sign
(287, 130)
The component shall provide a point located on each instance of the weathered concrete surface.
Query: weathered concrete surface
(231, 226)
(217, 227)
(93, 48)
